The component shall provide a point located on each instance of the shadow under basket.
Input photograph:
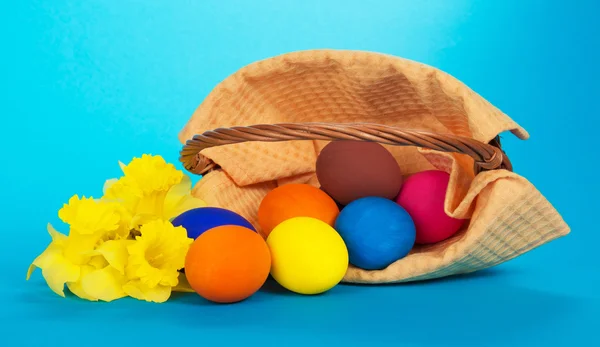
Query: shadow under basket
(265, 125)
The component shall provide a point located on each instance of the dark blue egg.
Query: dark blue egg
(199, 220)
(377, 232)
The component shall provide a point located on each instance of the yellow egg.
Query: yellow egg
(307, 255)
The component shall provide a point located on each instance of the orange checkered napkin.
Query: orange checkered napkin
(508, 215)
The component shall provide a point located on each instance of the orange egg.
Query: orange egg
(295, 200)
(227, 264)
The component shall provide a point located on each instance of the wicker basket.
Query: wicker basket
(486, 156)
(425, 117)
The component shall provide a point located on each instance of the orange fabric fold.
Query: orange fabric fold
(508, 216)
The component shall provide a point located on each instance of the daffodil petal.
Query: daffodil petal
(53, 250)
(132, 288)
(140, 291)
(115, 253)
(183, 285)
(59, 272)
(46, 258)
(151, 174)
(179, 190)
(152, 204)
(68, 211)
(150, 276)
(125, 192)
(157, 254)
(76, 287)
(78, 247)
(186, 203)
(98, 262)
(158, 294)
(105, 284)
(30, 271)
(109, 183)
(56, 236)
(179, 199)
(169, 278)
(90, 216)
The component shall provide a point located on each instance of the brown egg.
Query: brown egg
(350, 170)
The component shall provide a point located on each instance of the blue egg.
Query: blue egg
(377, 232)
(199, 220)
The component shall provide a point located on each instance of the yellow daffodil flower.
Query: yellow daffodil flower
(79, 258)
(87, 216)
(56, 268)
(152, 189)
(124, 243)
(86, 272)
(154, 260)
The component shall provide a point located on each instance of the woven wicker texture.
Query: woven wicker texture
(485, 156)
(508, 215)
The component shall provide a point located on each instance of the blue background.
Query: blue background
(86, 83)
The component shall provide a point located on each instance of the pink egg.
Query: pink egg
(422, 196)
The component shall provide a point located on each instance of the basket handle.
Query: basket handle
(487, 156)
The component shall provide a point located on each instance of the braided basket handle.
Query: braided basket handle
(487, 156)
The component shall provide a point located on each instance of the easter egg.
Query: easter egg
(377, 232)
(308, 255)
(349, 170)
(227, 264)
(197, 221)
(295, 200)
(423, 195)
